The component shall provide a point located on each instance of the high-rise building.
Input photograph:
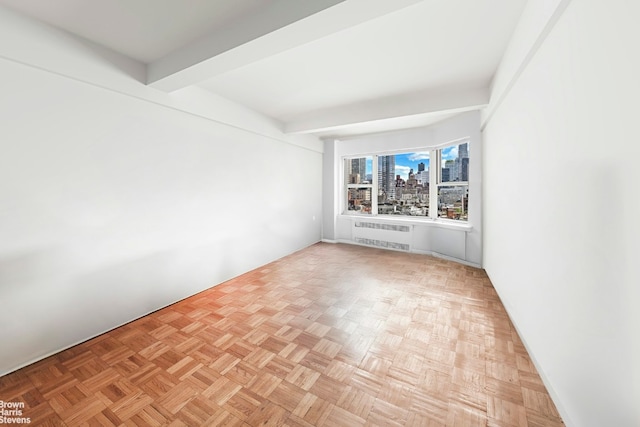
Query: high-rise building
(386, 177)
(463, 162)
(412, 182)
(423, 177)
(463, 151)
(359, 166)
(445, 175)
(451, 166)
(399, 187)
(465, 169)
(420, 167)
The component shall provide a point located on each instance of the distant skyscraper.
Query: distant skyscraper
(463, 150)
(359, 166)
(420, 167)
(452, 167)
(465, 169)
(386, 176)
(445, 175)
(423, 177)
(463, 162)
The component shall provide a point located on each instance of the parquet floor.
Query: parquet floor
(333, 335)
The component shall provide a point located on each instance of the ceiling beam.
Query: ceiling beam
(415, 104)
(282, 25)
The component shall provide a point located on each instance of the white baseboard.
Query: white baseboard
(412, 251)
(329, 241)
(449, 258)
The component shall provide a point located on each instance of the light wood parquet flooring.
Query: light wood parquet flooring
(333, 335)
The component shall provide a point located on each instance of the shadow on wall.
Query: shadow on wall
(31, 32)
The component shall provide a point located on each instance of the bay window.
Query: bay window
(430, 183)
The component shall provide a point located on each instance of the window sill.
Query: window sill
(440, 223)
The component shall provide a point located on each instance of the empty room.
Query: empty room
(319, 213)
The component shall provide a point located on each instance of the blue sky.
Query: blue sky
(406, 162)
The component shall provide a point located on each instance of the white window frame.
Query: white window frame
(434, 213)
(373, 185)
(435, 176)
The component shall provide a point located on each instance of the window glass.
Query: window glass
(453, 188)
(359, 200)
(455, 163)
(453, 202)
(403, 184)
(358, 170)
(410, 183)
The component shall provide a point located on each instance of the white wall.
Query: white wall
(425, 239)
(116, 200)
(561, 205)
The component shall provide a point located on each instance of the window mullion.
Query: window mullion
(374, 181)
(434, 179)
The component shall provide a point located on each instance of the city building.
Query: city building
(130, 136)
(386, 177)
(359, 167)
(463, 151)
(446, 174)
(423, 177)
(464, 169)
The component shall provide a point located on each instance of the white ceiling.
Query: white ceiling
(328, 67)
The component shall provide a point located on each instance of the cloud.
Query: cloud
(450, 153)
(403, 171)
(419, 156)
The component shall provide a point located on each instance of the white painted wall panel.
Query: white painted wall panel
(112, 206)
(448, 242)
(421, 239)
(561, 211)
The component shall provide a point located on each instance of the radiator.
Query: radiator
(381, 235)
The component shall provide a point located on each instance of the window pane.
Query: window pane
(455, 163)
(359, 200)
(403, 184)
(358, 171)
(453, 202)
